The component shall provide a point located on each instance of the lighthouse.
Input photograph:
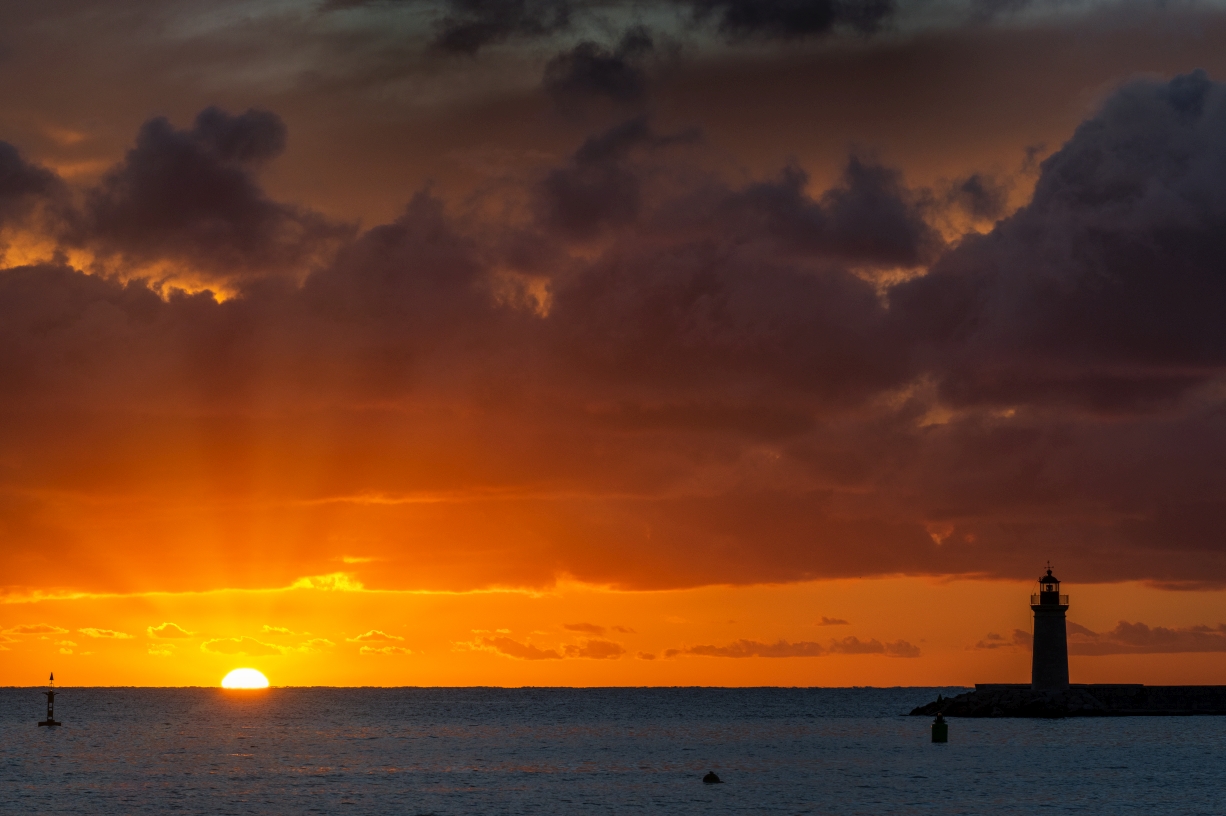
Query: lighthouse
(1049, 661)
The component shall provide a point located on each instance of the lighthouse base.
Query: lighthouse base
(49, 722)
(1080, 700)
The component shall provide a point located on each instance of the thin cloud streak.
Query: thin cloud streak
(806, 648)
(1139, 638)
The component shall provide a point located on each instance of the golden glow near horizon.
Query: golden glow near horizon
(820, 633)
(245, 679)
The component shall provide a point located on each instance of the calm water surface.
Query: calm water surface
(545, 751)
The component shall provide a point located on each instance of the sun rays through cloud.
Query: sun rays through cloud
(382, 327)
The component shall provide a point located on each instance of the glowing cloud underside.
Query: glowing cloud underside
(244, 679)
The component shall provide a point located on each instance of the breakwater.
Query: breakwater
(1080, 700)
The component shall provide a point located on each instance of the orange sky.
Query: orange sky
(329, 630)
(393, 343)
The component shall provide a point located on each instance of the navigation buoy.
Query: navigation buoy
(940, 729)
(712, 779)
(50, 692)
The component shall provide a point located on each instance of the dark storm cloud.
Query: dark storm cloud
(192, 196)
(470, 25)
(870, 218)
(1070, 301)
(466, 26)
(22, 184)
(793, 19)
(51, 313)
(705, 386)
(715, 285)
(403, 300)
(985, 11)
(991, 9)
(979, 196)
(590, 70)
(1106, 290)
(249, 138)
(416, 270)
(598, 187)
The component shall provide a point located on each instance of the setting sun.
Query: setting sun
(490, 371)
(244, 679)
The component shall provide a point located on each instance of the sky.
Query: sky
(562, 342)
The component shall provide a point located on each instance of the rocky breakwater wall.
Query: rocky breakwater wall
(1091, 700)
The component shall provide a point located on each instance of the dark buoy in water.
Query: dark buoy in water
(712, 779)
(50, 703)
(940, 729)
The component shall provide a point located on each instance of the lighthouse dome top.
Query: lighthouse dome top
(1048, 578)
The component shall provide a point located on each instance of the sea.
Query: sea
(585, 751)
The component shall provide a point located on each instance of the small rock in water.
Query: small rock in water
(712, 779)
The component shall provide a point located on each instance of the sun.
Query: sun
(244, 679)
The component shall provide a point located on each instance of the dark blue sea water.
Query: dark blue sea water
(564, 751)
